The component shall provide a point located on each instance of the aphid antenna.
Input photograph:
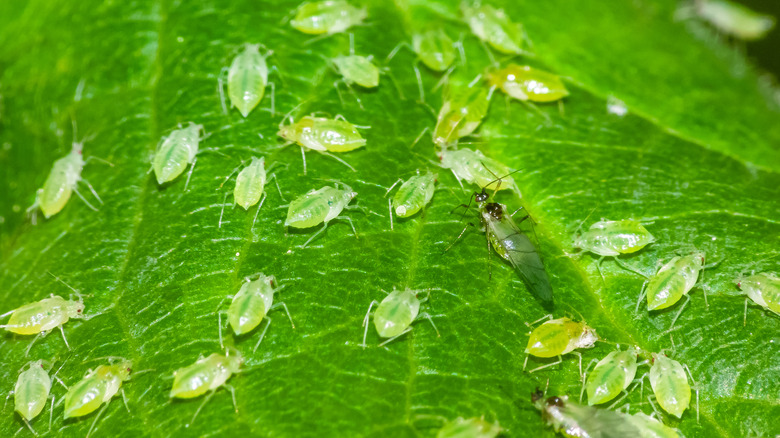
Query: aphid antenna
(499, 179)
(78, 294)
(547, 317)
(419, 137)
(235, 169)
(289, 113)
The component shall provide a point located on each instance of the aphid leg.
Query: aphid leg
(487, 51)
(582, 389)
(697, 390)
(641, 296)
(189, 175)
(580, 363)
(462, 52)
(328, 154)
(392, 186)
(687, 298)
(408, 329)
(105, 405)
(549, 316)
(395, 83)
(83, 199)
(51, 412)
(29, 426)
(444, 78)
(365, 322)
(536, 109)
(390, 211)
(320, 231)
(457, 238)
(430, 319)
(27, 352)
(10, 393)
(286, 311)
(92, 189)
(219, 324)
(402, 44)
(64, 338)
(419, 137)
(233, 395)
(598, 267)
(124, 399)
(347, 218)
(222, 211)
(303, 154)
(338, 90)
(548, 365)
(627, 267)
(744, 317)
(276, 181)
(273, 99)
(221, 89)
(7, 313)
(205, 400)
(525, 362)
(560, 109)
(419, 81)
(258, 210)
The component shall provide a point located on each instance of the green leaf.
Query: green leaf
(697, 154)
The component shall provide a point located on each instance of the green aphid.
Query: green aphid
(250, 306)
(32, 390)
(319, 206)
(651, 428)
(322, 135)
(414, 194)
(672, 282)
(97, 388)
(207, 374)
(41, 317)
(670, 384)
(577, 421)
(763, 289)
(494, 27)
(395, 314)
(611, 376)
(177, 150)
(613, 238)
(469, 428)
(527, 83)
(557, 337)
(474, 167)
(734, 19)
(247, 78)
(462, 112)
(327, 17)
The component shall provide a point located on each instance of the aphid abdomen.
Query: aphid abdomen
(172, 157)
(57, 188)
(327, 17)
(395, 313)
(335, 135)
(85, 396)
(611, 375)
(468, 428)
(549, 339)
(666, 287)
(413, 195)
(307, 211)
(493, 26)
(358, 70)
(670, 385)
(247, 78)
(435, 49)
(37, 317)
(528, 83)
(193, 380)
(31, 391)
(652, 428)
(763, 289)
(246, 312)
(461, 113)
(250, 183)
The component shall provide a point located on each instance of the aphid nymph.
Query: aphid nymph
(670, 385)
(250, 186)
(556, 337)
(474, 167)
(461, 113)
(320, 206)
(327, 17)
(611, 376)
(413, 195)
(176, 151)
(469, 428)
(97, 388)
(247, 78)
(763, 289)
(613, 238)
(31, 392)
(575, 420)
(395, 314)
(494, 27)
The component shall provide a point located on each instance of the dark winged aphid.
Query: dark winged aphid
(510, 243)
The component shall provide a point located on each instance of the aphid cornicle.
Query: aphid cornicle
(611, 376)
(251, 305)
(31, 392)
(327, 17)
(395, 314)
(63, 178)
(763, 289)
(247, 78)
(40, 317)
(469, 428)
(494, 27)
(577, 421)
(319, 206)
(414, 194)
(613, 238)
(322, 135)
(528, 83)
(670, 384)
(734, 19)
(99, 386)
(557, 337)
(474, 167)
(673, 281)
(177, 151)
(461, 113)
(207, 374)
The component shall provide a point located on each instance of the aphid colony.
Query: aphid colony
(463, 109)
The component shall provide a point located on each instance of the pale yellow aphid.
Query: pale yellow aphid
(175, 152)
(251, 305)
(494, 27)
(355, 70)
(322, 135)
(320, 206)
(557, 337)
(461, 113)
(734, 19)
(670, 384)
(247, 78)
(763, 289)
(474, 167)
(327, 17)
(31, 392)
(526, 83)
(99, 386)
(250, 186)
(207, 374)
(613, 238)
(62, 181)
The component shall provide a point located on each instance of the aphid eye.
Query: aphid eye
(555, 401)
(536, 395)
(739, 285)
(129, 370)
(78, 310)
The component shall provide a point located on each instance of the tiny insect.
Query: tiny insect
(670, 384)
(527, 83)
(99, 386)
(494, 27)
(461, 113)
(322, 135)
(673, 281)
(469, 428)
(763, 289)
(414, 194)
(734, 19)
(395, 314)
(613, 238)
(577, 421)
(250, 186)
(247, 78)
(611, 376)
(320, 206)
(40, 317)
(327, 17)
(652, 428)
(31, 392)
(557, 337)
(62, 181)
(177, 151)
(474, 167)
(207, 374)
(251, 305)
(616, 106)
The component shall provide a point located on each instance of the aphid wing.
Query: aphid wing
(594, 422)
(516, 247)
